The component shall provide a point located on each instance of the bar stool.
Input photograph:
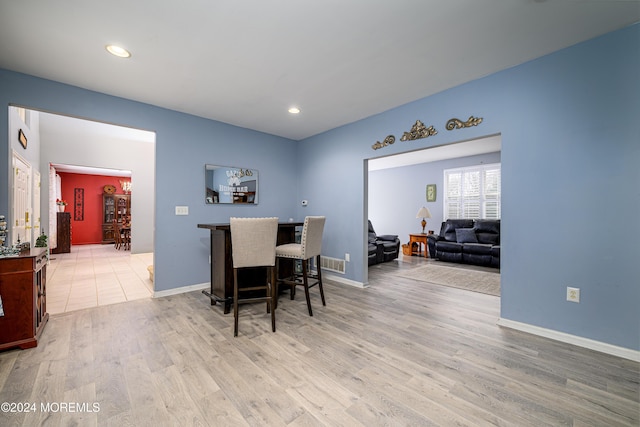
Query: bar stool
(309, 247)
(253, 244)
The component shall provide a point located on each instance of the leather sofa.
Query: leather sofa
(382, 248)
(467, 241)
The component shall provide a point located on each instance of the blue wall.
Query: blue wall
(570, 182)
(570, 178)
(184, 144)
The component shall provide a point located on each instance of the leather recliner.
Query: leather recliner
(382, 248)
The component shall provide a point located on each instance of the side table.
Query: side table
(420, 239)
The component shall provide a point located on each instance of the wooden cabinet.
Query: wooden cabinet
(23, 291)
(115, 207)
(63, 234)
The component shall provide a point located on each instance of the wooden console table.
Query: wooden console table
(222, 261)
(420, 239)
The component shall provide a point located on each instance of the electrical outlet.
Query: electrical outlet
(182, 210)
(573, 294)
(347, 257)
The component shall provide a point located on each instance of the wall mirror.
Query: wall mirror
(229, 184)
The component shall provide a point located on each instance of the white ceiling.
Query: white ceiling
(245, 62)
(61, 127)
(491, 144)
(55, 124)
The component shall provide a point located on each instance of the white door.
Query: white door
(37, 225)
(21, 226)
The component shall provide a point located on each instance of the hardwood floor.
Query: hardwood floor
(398, 353)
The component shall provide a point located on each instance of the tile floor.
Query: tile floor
(96, 275)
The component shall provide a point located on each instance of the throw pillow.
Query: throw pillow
(466, 235)
(448, 230)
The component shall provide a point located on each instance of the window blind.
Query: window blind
(472, 192)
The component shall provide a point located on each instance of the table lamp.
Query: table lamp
(423, 213)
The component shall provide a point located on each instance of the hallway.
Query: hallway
(96, 275)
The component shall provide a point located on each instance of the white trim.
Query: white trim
(613, 350)
(342, 280)
(200, 286)
(181, 290)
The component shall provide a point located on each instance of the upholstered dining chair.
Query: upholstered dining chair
(253, 244)
(309, 247)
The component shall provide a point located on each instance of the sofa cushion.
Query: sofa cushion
(466, 235)
(487, 231)
(387, 245)
(388, 237)
(491, 239)
(476, 259)
(450, 256)
(476, 248)
(444, 246)
(448, 229)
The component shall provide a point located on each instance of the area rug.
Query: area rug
(472, 280)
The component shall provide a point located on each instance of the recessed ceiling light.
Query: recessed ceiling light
(294, 110)
(118, 51)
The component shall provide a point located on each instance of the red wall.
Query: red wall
(88, 231)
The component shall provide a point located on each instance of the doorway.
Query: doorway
(75, 142)
(396, 185)
(21, 228)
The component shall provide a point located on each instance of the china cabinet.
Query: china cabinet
(115, 207)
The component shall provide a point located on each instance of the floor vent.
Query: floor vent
(332, 264)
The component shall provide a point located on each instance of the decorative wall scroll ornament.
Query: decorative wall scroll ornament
(78, 204)
(418, 131)
(387, 141)
(459, 124)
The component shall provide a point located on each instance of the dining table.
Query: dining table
(221, 260)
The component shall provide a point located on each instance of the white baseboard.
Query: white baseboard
(341, 279)
(613, 350)
(181, 290)
(200, 286)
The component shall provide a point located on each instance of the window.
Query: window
(472, 192)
